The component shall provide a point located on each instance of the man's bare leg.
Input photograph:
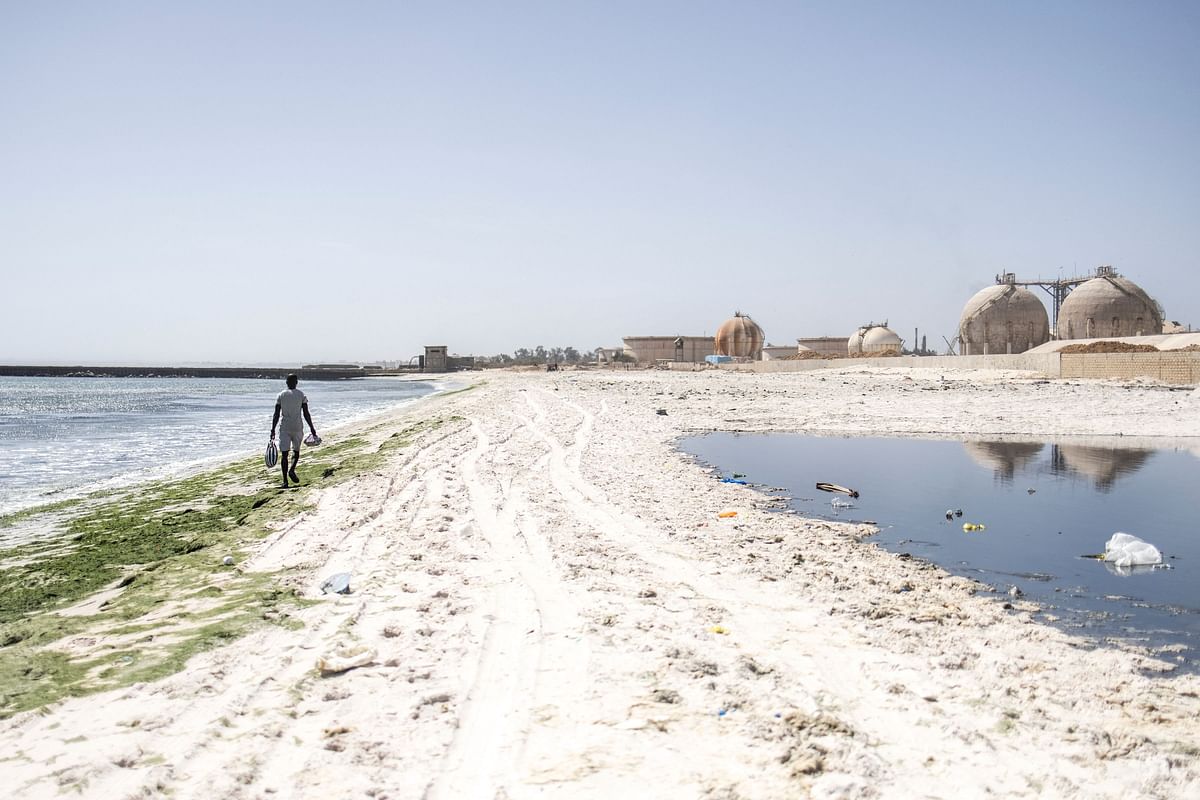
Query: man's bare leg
(283, 465)
(295, 463)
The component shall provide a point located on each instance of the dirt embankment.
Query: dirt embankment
(1109, 347)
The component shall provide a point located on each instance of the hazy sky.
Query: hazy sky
(315, 181)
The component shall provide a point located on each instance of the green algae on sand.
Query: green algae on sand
(132, 586)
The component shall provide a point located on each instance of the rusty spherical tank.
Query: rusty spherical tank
(1108, 306)
(1002, 319)
(740, 337)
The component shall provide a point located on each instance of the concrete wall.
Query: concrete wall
(774, 352)
(1046, 363)
(1169, 367)
(1179, 368)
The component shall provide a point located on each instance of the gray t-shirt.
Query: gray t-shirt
(290, 401)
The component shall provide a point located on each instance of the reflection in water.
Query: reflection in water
(1139, 569)
(1005, 459)
(1102, 464)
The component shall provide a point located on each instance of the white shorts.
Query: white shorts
(290, 440)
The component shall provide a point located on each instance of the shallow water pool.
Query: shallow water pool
(1045, 505)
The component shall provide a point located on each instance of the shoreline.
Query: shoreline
(184, 469)
(550, 529)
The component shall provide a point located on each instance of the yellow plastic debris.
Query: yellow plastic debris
(719, 629)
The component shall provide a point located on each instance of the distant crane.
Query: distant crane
(951, 345)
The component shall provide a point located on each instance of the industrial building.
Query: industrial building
(1108, 306)
(652, 349)
(740, 337)
(825, 345)
(1004, 318)
(437, 358)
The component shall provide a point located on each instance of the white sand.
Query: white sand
(557, 611)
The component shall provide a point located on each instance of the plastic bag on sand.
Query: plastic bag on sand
(345, 659)
(1126, 550)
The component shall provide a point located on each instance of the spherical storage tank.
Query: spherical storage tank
(1108, 306)
(1002, 319)
(740, 337)
(874, 339)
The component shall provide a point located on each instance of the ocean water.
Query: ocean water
(63, 436)
(1044, 505)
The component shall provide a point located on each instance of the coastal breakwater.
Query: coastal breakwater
(321, 374)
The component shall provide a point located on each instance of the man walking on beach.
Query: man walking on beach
(292, 406)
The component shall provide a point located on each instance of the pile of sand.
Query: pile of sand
(1109, 347)
(805, 355)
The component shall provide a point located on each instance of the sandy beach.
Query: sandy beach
(545, 603)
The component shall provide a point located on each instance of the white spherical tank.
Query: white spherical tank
(874, 339)
(882, 340)
(1002, 319)
(1108, 306)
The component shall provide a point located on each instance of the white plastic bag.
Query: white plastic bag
(1126, 550)
(345, 659)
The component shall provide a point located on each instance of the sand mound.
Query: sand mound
(806, 355)
(1109, 347)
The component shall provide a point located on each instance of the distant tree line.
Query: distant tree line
(539, 355)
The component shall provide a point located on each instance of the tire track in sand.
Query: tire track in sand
(531, 650)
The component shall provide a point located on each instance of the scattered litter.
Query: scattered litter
(1031, 490)
(739, 474)
(971, 526)
(733, 480)
(345, 659)
(1126, 550)
(662, 412)
(951, 513)
(838, 502)
(1015, 592)
(227, 561)
(336, 584)
(727, 514)
(833, 487)
(721, 629)
(722, 712)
